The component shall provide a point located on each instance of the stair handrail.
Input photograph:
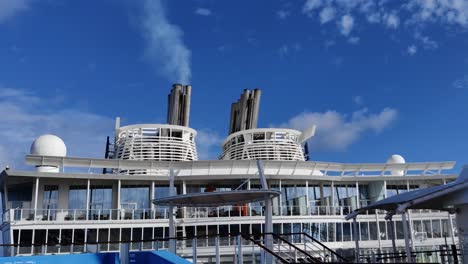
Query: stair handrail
(251, 239)
(295, 247)
(321, 244)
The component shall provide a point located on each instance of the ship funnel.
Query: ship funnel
(244, 112)
(178, 105)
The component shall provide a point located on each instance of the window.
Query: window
(50, 197)
(135, 197)
(20, 195)
(294, 199)
(49, 202)
(339, 233)
(100, 202)
(364, 231)
(373, 231)
(383, 233)
(436, 231)
(346, 231)
(77, 197)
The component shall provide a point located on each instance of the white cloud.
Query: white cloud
(283, 14)
(203, 11)
(208, 144)
(346, 24)
(426, 42)
(30, 116)
(461, 83)
(283, 50)
(327, 14)
(286, 49)
(337, 131)
(412, 50)
(392, 20)
(354, 40)
(311, 5)
(10, 8)
(165, 47)
(438, 11)
(358, 100)
(415, 14)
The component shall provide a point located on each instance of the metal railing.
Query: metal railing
(14, 215)
(21, 214)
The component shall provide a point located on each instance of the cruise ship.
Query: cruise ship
(67, 205)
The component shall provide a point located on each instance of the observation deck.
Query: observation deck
(264, 144)
(155, 142)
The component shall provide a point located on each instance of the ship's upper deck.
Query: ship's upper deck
(73, 167)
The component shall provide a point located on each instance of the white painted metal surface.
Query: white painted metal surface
(264, 144)
(155, 142)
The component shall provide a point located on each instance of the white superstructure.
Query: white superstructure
(106, 200)
(264, 144)
(155, 142)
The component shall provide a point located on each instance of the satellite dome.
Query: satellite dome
(396, 159)
(49, 145)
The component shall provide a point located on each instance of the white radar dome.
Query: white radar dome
(396, 159)
(49, 145)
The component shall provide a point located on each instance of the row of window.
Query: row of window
(325, 232)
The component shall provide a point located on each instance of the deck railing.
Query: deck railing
(48, 215)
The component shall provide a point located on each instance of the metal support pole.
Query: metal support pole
(239, 249)
(36, 194)
(268, 240)
(356, 238)
(450, 225)
(194, 250)
(392, 233)
(404, 218)
(172, 229)
(124, 254)
(378, 228)
(88, 194)
(217, 250)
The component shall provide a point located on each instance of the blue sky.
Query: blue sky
(377, 77)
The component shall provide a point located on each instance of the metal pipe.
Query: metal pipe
(243, 106)
(256, 106)
(176, 104)
(188, 98)
(169, 108)
(356, 238)
(172, 228)
(407, 237)
(232, 121)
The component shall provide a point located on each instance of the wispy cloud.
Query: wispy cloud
(358, 100)
(337, 131)
(346, 24)
(415, 14)
(208, 144)
(165, 47)
(30, 116)
(10, 8)
(391, 20)
(354, 40)
(282, 14)
(203, 11)
(286, 49)
(327, 14)
(412, 50)
(461, 83)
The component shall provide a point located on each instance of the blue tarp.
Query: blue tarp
(159, 257)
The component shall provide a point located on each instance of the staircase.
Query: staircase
(296, 248)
